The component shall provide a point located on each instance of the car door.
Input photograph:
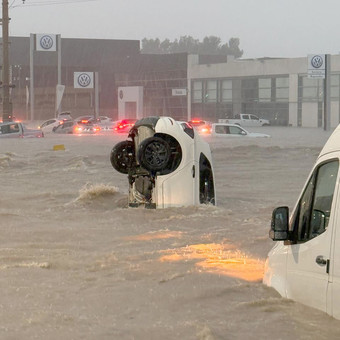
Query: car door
(235, 131)
(245, 121)
(308, 258)
(255, 121)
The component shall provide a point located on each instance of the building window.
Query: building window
(227, 90)
(265, 89)
(197, 91)
(211, 91)
(335, 86)
(312, 89)
(282, 89)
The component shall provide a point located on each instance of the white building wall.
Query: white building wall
(130, 94)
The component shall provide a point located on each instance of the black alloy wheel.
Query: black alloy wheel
(154, 154)
(123, 157)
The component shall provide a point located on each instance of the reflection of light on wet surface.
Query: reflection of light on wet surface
(221, 259)
(157, 235)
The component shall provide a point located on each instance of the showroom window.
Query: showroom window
(226, 90)
(197, 90)
(211, 92)
(312, 89)
(335, 86)
(282, 89)
(265, 89)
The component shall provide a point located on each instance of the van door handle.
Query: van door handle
(320, 260)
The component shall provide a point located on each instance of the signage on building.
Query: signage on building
(316, 66)
(179, 92)
(83, 80)
(46, 42)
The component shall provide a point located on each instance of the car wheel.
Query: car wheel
(154, 154)
(122, 156)
(207, 194)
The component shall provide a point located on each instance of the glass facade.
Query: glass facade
(267, 98)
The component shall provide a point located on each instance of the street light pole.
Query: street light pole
(6, 104)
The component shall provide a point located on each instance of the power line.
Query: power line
(49, 3)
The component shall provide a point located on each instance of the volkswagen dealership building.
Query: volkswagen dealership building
(184, 86)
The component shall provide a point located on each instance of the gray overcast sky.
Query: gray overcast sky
(266, 28)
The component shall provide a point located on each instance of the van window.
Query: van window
(313, 212)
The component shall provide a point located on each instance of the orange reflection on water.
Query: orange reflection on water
(157, 235)
(220, 259)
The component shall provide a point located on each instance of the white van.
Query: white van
(304, 265)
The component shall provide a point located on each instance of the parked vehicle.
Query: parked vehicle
(304, 265)
(65, 115)
(246, 120)
(48, 125)
(203, 127)
(73, 127)
(232, 131)
(168, 164)
(124, 126)
(17, 129)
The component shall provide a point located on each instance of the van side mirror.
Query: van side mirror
(279, 224)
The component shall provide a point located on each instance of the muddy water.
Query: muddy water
(76, 263)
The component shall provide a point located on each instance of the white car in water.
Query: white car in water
(48, 125)
(233, 131)
(168, 164)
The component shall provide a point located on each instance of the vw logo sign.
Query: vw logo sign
(84, 80)
(317, 61)
(46, 42)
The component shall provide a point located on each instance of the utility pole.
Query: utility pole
(6, 104)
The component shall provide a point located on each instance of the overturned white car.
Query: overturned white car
(168, 164)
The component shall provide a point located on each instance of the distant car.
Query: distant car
(66, 115)
(72, 127)
(124, 126)
(201, 126)
(48, 125)
(105, 123)
(168, 164)
(232, 131)
(246, 120)
(17, 129)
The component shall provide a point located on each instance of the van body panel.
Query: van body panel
(307, 282)
(312, 272)
(275, 268)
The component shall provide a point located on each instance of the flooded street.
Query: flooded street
(75, 262)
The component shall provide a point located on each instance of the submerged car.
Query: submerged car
(201, 126)
(17, 129)
(124, 126)
(73, 127)
(232, 130)
(48, 125)
(168, 164)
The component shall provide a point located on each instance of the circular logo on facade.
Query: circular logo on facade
(121, 94)
(317, 61)
(46, 42)
(84, 80)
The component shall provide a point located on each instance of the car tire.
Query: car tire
(123, 156)
(207, 194)
(154, 154)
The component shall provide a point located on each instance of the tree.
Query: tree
(187, 44)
